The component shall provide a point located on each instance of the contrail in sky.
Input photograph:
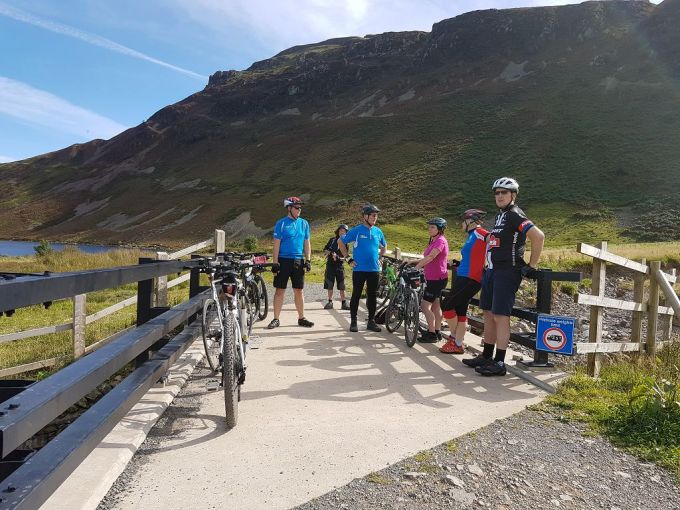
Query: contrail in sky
(96, 40)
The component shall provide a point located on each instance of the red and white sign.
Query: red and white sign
(554, 338)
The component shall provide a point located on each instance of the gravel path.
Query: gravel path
(529, 461)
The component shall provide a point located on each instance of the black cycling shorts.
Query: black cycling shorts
(499, 287)
(335, 273)
(459, 298)
(293, 269)
(433, 289)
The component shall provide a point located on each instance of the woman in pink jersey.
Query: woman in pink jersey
(437, 276)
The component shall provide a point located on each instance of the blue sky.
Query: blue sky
(75, 70)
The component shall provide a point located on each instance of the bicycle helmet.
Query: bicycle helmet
(292, 201)
(506, 183)
(369, 209)
(342, 225)
(474, 214)
(440, 223)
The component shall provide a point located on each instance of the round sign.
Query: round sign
(554, 338)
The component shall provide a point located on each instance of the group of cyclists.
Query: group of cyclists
(491, 261)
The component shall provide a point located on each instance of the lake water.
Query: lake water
(18, 248)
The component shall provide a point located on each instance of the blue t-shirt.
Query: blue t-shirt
(292, 234)
(367, 243)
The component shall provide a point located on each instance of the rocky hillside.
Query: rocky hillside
(578, 102)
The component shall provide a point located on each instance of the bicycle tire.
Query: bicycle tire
(394, 314)
(264, 298)
(411, 318)
(212, 331)
(230, 372)
(244, 303)
(254, 299)
(422, 322)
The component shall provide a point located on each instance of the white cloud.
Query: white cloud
(37, 107)
(89, 38)
(6, 159)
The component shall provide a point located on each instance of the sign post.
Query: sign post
(555, 334)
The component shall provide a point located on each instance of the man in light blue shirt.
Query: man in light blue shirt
(369, 246)
(291, 258)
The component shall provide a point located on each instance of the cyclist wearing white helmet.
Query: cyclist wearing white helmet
(436, 276)
(369, 246)
(291, 257)
(502, 278)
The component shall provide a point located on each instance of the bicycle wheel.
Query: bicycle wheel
(212, 333)
(244, 303)
(253, 298)
(382, 292)
(411, 318)
(230, 371)
(394, 315)
(263, 303)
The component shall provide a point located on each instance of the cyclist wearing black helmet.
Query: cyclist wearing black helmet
(436, 276)
(467, 281)
(291, 257)
(502, 278)
(369, 246)
(335, 269)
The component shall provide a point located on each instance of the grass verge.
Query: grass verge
(635, 404)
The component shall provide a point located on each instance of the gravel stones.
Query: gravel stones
(549, 464)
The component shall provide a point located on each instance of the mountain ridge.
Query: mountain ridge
(570, 100)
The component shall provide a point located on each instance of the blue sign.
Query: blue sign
(555, 334)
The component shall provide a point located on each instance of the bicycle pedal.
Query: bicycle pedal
(212, 385)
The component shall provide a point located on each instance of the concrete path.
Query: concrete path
(320, 407)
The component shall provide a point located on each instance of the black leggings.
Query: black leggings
(370, 278)
(459, 298)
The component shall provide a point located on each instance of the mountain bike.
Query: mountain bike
(404, 307)
(227, 322)
(258, 285)
(388, 280)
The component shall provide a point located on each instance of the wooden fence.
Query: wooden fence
(643, 306)
(81, 319)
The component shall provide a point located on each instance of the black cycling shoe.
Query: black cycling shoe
(428, 337)
(305, 323)
(353, 326)
(478, 361)
(345, 306)
(328, 305)
(495, 368)
(274, 324)
(372, 326)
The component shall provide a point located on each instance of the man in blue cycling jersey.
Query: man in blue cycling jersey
(369, 246)
(291, 258)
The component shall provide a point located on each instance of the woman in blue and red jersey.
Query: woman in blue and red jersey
(467, 282)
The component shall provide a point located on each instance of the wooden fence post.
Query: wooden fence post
(595, 330)
(220, 241)
(638, 297)
(667, 321)
(653, 309)
(79, 314)
(161, 283)
(397, 253)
